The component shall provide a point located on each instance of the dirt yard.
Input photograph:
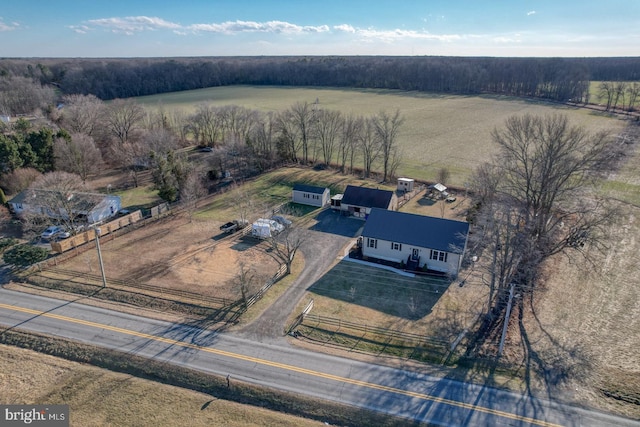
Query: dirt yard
(181, 254)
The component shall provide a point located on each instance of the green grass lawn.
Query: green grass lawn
(139, 197)
(439, 131)
(261, 195)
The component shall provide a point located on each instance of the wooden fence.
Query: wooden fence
(279, 274)
(127, 285)
(90, 235)
(354, 335)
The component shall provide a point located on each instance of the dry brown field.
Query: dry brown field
(183, 254)
(98, 397)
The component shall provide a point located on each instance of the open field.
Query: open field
(439, 131)
(581, 334)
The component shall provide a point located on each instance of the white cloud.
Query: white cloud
(277, 27)
(8, 27)
(80, 29)
(397, 34)
(346, 28)
(133, 24)
(531, 12)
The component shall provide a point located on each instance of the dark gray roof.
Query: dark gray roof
(367, 197)
(417, 230)
(309, 188)
(80, 201)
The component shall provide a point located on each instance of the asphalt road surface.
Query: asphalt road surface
(399, 392)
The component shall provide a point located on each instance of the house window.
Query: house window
(438, 255)
(372, 243)
(396, 246)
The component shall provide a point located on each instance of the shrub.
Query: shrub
(7, 242)
(25, 255)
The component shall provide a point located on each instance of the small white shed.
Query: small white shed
(405, 184)
(310, 195)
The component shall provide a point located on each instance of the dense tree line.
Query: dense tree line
(559, 79)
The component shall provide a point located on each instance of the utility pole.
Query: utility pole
(104, 278)
(506, 320)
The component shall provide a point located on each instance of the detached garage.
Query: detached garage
(311, 195)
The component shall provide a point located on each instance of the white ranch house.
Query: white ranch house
(311, 195)
(85, 207)
(416, 240)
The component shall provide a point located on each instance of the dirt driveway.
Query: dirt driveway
(326, 236)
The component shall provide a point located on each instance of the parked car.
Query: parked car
(281, 220)
(55, 232)
(233, 226)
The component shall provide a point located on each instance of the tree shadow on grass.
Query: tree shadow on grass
(553, 363)
(382, 290)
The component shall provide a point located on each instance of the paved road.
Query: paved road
(399, 392)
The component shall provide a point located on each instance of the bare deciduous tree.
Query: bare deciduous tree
(536, 198)
(348, 142)
(82, 114)
(57, 198)
(124, 119)
(78, 155)
(285, 245)
(288, 136)
(302, 116)
(192, 189)
(443, 175)
(23, 95)
(369, 146)
(207, 125)
(262, 141)
(387, 128)
(244, 281)
(326, 130)
(20, 179)
(607, 90)
(633, 90)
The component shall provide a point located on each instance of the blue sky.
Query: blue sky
(139, 28)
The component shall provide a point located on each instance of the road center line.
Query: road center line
(283, 366)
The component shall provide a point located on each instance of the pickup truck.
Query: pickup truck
(233, 226)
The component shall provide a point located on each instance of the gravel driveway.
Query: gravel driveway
(325, 241)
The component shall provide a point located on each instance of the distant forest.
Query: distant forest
(557, 79)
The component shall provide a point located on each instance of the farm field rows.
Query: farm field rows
(439, 131)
